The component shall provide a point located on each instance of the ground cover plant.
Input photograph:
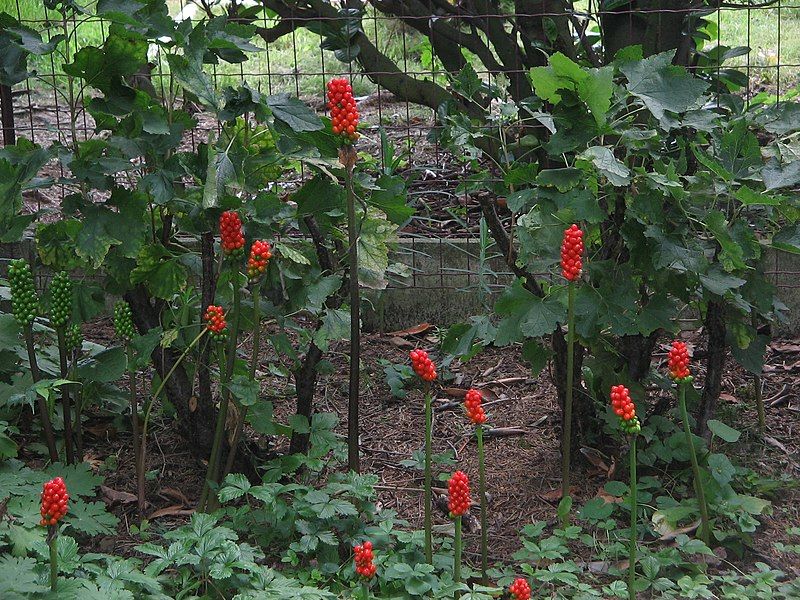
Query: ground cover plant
(624, 197)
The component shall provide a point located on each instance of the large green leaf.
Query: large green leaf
(661, 85)
(296, 114)
(608, 165)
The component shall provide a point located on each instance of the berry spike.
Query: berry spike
(458, 494)
(230, 232)
(60, 299)
(571, 253)
(625, 409)
(215, 323)
(422, 365)
(678, 362)
(363, 560)
(55, 501)
(24, 300)
(472, 404)
(260, 253)
(123, 321)
(344, 114)
(520, 589)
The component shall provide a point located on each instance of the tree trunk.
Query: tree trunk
(305, 385)
(7, 116)
(584, 420)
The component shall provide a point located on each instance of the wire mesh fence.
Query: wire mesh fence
(296, 56)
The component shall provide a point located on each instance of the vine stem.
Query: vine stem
(566, 438)
(138, 442)
(216, 448)
(428, 500)
(482, 495)
(457, 558)
(52, 535)
(698, 485)
(65, 400)
(237, 434)
(44, 410)
(632, 551)
(347, 156)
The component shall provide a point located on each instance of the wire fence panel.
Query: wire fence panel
(406, 55)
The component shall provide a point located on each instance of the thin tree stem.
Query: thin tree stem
(44, 410)
(566, 438)
(698, 484)
(428, 501)
(237, 434)
(482, 495)
(65, 400)
(347, 158)
(137, 439)
(759, 393)
(634, 511)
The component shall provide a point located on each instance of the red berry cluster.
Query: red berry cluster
(520, 590)
(363, 559)
(458, 490)
(678, 362)
(54, 501)
(422, 365)
(571, 252)
(625, 409)
(472, 402)
(260, 253)
(230, 230)
(344, 114)
(215, 322)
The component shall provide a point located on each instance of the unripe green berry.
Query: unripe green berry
(73, 338)
(123, 321)
(24, 301)
(61, 299)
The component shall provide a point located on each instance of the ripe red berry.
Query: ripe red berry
(363, 560)
(520, 590)
(422, 365)
(472, 403)
(260, 253)
(344, 114)
(678, 362)
(54, 501)
(215, 322)
(458, 491)
(230, 232)
(571, 253)
(625, 409)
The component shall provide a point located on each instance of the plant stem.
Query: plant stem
(347, 158)
(237, 434)
(698, 484)
(44, 410)
(138, 442)
(365, 589)
(428, 501)
(457, 557)
(78, 399)
(566, 438)
(482, 495)
(53, 535)
(632, 552)
(225, 375)
(65, 402)
(762, 421)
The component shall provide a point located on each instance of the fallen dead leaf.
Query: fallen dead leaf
(175, 494)
(112, 496)
(176, 510)
(102, 430)
(415, 330)
(773, 442)
(454, 391)
(400, 342)
(555, 495)
(608, 498)
(491, 370)
(784, 347)
(729, 398)
(668, 533)
(192, 403)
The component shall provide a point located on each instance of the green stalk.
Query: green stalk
(365, 589)
(41, 403)
(138, 442)
(632, 552)
(65, 401)
(216, 449)
(218, 431)
(482, 495)
(457, 557)
(566, 438)
(428, 500)
(53, 535)
(347, 157)
(237, 434)
(698, 485)
(762, 421)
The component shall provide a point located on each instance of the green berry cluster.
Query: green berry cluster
(24, 301)
(73, 338)
(123, 321)
(61, 299)
(631, 426)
